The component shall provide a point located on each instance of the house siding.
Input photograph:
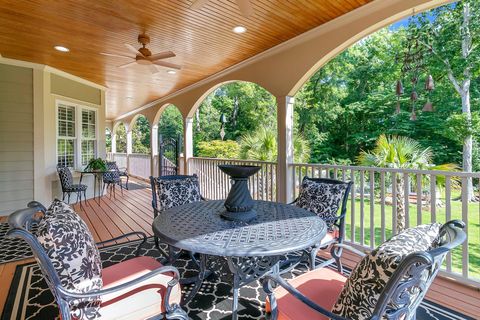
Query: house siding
(16, 137)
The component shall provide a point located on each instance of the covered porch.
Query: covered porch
(65, 108)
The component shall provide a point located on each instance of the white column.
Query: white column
(114, 143)
(154, 150)
(129, 148)
(285, 148)
(188, 143)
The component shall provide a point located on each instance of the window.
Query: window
(66, 136)
(89, 136)
(76, 134)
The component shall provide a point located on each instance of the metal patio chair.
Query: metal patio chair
(336, 233)
(112, 177)
(316, 294)
(169, 200)
(68, 187)
(138, 288)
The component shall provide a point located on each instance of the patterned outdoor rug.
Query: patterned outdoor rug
(30, 298)
(138, 185)
(12, 249)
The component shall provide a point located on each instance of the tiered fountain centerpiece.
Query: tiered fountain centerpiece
(239, 203)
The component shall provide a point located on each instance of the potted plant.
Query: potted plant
(97, 164)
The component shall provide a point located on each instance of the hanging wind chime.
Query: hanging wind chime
(413, 64)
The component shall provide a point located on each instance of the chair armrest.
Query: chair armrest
(138, 233)
(70, 295)
(350, 248)
(267, 287)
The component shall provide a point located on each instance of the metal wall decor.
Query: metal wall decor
(413, 64)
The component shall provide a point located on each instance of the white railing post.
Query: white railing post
(114, 143)
(188, 143)
(153, 149)
(129, 148)
(285, 148)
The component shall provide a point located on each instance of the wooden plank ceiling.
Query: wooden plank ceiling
(202, 39)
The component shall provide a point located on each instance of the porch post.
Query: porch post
(114, 143)
(129, 148)
(188, 143)
(285, 148)
(153, 149)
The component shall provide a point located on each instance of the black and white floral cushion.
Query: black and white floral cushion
(176, 192)
(367, 281)
(323, 199)
(72, 250)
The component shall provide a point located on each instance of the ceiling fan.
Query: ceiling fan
(244, 5)
(143, 56)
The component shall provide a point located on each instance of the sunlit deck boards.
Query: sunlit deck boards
(112, 217)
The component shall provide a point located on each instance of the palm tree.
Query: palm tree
(262, 145)
(401, 153)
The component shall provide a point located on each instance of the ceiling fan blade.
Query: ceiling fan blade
(127, 64)
(197, 4)
(167, 64)
(153, 68)
(133, 50)
(117, 55)
(161, 55)
(245, 7)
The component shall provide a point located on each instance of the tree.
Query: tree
(141, 136)
(170, 125)
(227, 149)
(400, 153)
(121, 138)
(452, 33)
(262, 145)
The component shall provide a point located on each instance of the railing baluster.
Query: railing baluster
(406, 198)
(448, 216)
(465, 199)
(394, 202)
(419, 198)
(433, 198)
(362, 207)
(382, 205)
(352, 206)
(372, 209)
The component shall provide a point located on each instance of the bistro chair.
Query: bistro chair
(68, 187)
(139, 288)
(111, 178)
(173, 191)
(388, 283)
(327, 198)
(122, 172)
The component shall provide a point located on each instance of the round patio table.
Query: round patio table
(252, 249)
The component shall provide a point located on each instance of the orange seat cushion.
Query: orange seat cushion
(322, 286)
(141, 301)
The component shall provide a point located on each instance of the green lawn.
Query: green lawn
(456, 213)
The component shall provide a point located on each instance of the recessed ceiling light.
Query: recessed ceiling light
(129, 98)
(171, 71)
(61, 48)
(239, 29)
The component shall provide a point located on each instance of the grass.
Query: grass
(426, 217)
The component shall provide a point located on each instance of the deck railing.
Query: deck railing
(137, 164)
(431, 196)
(215, 184)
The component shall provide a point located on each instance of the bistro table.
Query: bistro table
(97, 175)
(251, 249)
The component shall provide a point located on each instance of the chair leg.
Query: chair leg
(336, 253)
(69, 193)
(121, 187)
(63, 196)
(85, 196)
(126, 185)
(313, 256)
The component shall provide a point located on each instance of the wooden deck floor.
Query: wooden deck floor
(112, 217)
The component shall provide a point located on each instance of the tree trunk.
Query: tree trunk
(400, 199)
(467, 143)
